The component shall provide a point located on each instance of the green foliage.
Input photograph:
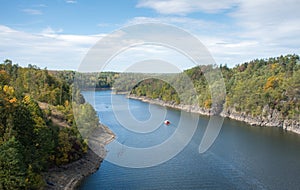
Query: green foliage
(250, 87)
(69, 148)
(30, 142)
(266, 83)
(86, 119)
(103, 80)
(12, 167)
(154, 88)
(38, 83)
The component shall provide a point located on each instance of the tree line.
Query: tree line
(31, 143)
(251, 87)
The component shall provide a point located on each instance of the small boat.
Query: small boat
(167, 122)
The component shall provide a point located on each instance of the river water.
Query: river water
(242, 157)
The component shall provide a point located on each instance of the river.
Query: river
(242, 157)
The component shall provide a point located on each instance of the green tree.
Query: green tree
(12, 167)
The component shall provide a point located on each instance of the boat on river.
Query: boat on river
(167, 122)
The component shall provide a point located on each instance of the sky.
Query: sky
(58, 34)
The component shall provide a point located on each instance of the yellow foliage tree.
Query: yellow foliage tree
(207, 103)
(9, 90)
(272, 82)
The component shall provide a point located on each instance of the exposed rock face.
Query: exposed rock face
(187, 108)
(291, 125)
(69, 176)
(269, 117)
(270, 120)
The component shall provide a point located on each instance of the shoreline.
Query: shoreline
(70, 176)
(271, 120)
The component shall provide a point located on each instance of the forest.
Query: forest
(38, 128)
(37, 125)
(90, 81)
(251, 87)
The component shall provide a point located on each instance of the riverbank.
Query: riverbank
(69, 176)
(270, 118)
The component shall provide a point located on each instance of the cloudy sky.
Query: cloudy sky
(57, 34)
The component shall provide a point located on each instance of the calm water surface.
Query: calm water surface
(242, 157)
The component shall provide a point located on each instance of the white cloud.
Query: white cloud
(249, 30)
(40, 5)
(253, 29)
(45, 49)
(71, 1)
(183, 7)
(150, 58)
(190, 22)
(32, 11)
(50, 30)
(270, 21)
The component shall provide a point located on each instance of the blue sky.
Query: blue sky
(57, 34)
(70, 17)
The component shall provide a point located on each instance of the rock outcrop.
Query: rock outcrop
(269, 117)
(69, 176)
